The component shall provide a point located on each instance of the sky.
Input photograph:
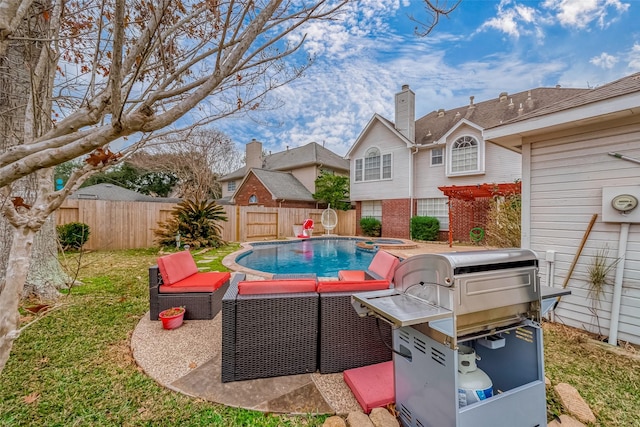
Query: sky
(483, 48)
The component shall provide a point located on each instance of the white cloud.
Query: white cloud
(514, 20)
(605, 61)
(634, 58)
(581, 13)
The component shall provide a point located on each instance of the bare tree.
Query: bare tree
(132, 69)
(198, 158)
(435, 9)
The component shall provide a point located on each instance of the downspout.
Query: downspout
(411, 181)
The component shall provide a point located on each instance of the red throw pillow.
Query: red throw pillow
(352, 286)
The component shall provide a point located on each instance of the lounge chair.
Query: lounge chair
(382, 266)
(176, 282)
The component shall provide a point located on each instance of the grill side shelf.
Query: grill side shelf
(397, 308)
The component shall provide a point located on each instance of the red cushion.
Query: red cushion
(352, 286)
(372, 385)
(384, 265)
(351, 275)
(199, 282)
(283, 286)
(175, 267)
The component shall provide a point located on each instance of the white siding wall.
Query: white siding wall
(567, 176)
(501, 166)
(398, 186)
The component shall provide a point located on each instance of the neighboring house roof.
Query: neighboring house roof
(432, 127)
(375, 119)
(281, 185)
(115, 192)
(615, 99)
(293, 158)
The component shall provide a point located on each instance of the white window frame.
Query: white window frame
(436, 207)
(253, 199)
(231, 186)
(371, 209)
(469, 164)
(434, 156)
(374, 166)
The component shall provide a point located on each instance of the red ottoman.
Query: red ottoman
(372, 385)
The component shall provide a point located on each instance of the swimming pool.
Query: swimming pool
(325, 257)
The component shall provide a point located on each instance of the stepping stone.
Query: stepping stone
(574, 403)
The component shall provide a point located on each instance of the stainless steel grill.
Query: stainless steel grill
(489, 300)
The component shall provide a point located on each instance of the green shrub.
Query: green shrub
(73, 235)
(371, 227)
(425, 228)
(197, 223)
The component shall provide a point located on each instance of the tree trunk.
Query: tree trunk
(11, 290)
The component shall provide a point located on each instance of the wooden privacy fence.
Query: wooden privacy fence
(129, 225)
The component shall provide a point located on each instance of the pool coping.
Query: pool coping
(229, 261)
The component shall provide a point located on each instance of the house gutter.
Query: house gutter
(617, 284)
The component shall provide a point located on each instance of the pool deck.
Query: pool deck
(188, 360)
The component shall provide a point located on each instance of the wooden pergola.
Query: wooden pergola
(471, 193)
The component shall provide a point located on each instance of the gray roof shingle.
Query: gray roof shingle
(624, 86)
(493, 112)
(307, 155)
(114, 192)
(283, 185)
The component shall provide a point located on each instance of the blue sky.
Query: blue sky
(485, 47)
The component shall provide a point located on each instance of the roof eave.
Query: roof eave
(510, 135)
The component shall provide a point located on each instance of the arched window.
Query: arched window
(376, 166)
(253, 199)
(464, 155)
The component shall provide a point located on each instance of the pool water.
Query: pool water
(325, 257)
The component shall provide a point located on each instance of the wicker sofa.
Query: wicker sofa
(347, 340)
(176, 282)
(292, 325)
(267, 330)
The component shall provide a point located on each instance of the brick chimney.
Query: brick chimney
(253, 154)
(406, 113)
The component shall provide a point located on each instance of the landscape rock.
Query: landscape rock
(358, 419)
(380, 417)
(334, 421)
(574, 403)
(565, 421)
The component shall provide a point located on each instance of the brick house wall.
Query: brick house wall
(253, 186)
(396, 216)
(466, 215)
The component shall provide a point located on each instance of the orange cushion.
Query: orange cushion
(199, 282)
(175, 267)
(384, 265)
(351, 275)
(284, 286)
(352, 286)
(372, 385)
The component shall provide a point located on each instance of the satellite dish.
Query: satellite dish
(329, 220)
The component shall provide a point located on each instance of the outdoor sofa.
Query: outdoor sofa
(289, 326)
(176, 282)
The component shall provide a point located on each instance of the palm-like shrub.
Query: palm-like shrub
(197, 222)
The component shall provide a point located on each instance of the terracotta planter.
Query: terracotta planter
(172, 318)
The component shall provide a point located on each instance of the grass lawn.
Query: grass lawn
(74, 366)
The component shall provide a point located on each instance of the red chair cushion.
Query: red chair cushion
(372, 385)
(175, 267)
(283, 286)
(352, 286)
(351, 275)
(199, 282)
(384, 265)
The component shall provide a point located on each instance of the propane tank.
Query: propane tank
(474, 384)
